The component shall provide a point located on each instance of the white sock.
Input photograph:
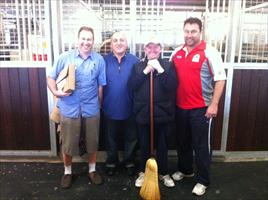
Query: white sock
(68, 169)
(91, 167)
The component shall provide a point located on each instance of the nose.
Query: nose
(188, 34)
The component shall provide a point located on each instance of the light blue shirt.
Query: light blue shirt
(89, 75)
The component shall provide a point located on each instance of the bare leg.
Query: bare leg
(67, 159)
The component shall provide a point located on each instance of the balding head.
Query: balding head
(119, 43)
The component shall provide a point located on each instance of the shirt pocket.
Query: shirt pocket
(90, 75)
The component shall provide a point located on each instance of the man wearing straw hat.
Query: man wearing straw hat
(165, 83)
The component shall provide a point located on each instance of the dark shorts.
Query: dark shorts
(72, 128)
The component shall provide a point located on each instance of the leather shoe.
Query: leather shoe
(66, 181)
(95, 178)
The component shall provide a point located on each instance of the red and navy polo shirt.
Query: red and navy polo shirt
(196, 72)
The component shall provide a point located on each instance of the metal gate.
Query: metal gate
(238, 27)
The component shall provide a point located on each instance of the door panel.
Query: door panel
(248, 122)
(24, 113)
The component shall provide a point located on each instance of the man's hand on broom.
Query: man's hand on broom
(148, 69)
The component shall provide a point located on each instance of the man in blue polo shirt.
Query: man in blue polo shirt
(117, 105)
(80, 109)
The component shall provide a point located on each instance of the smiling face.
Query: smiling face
(192, 35)
(152, 51)
(119, 43)
(85, 42)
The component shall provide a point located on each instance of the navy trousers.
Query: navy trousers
(125, 129)
(194, 135)
(160, 143)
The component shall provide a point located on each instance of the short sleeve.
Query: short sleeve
(216, 64)
(102, 72)
(54, 71)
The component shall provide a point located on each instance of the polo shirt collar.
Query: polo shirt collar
(116, 57)
(77, 54)
(201, 46)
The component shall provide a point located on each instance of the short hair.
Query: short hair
(86, 28)
(119, 32)
(193, 20)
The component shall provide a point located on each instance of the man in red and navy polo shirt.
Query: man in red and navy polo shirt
(201, 80)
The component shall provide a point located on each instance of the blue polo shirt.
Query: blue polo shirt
(117, 99)
(89, 75)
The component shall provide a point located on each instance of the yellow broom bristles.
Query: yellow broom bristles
(150, 188)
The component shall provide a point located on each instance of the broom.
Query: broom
(150, 188)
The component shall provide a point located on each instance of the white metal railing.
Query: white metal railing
(253, 46)
(138, 18)
(22, 35)
(240, 33)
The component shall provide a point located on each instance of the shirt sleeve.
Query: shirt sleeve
(54, 71)
(215, 63)
(102, 74)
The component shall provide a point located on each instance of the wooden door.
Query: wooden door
(24, 118)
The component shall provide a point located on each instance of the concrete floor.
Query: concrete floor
(41, 180)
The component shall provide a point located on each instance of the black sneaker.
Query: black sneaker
(131, 170)
(110, 171)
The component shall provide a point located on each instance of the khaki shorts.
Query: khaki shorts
(70, 134)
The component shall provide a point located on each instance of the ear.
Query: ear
(144, 48)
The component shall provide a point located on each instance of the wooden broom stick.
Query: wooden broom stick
(151, 113)
(150, 188)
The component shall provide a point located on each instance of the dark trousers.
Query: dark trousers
(193, 134)
(160, 143)
(116, 130)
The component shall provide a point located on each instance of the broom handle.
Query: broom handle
(151, 113)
